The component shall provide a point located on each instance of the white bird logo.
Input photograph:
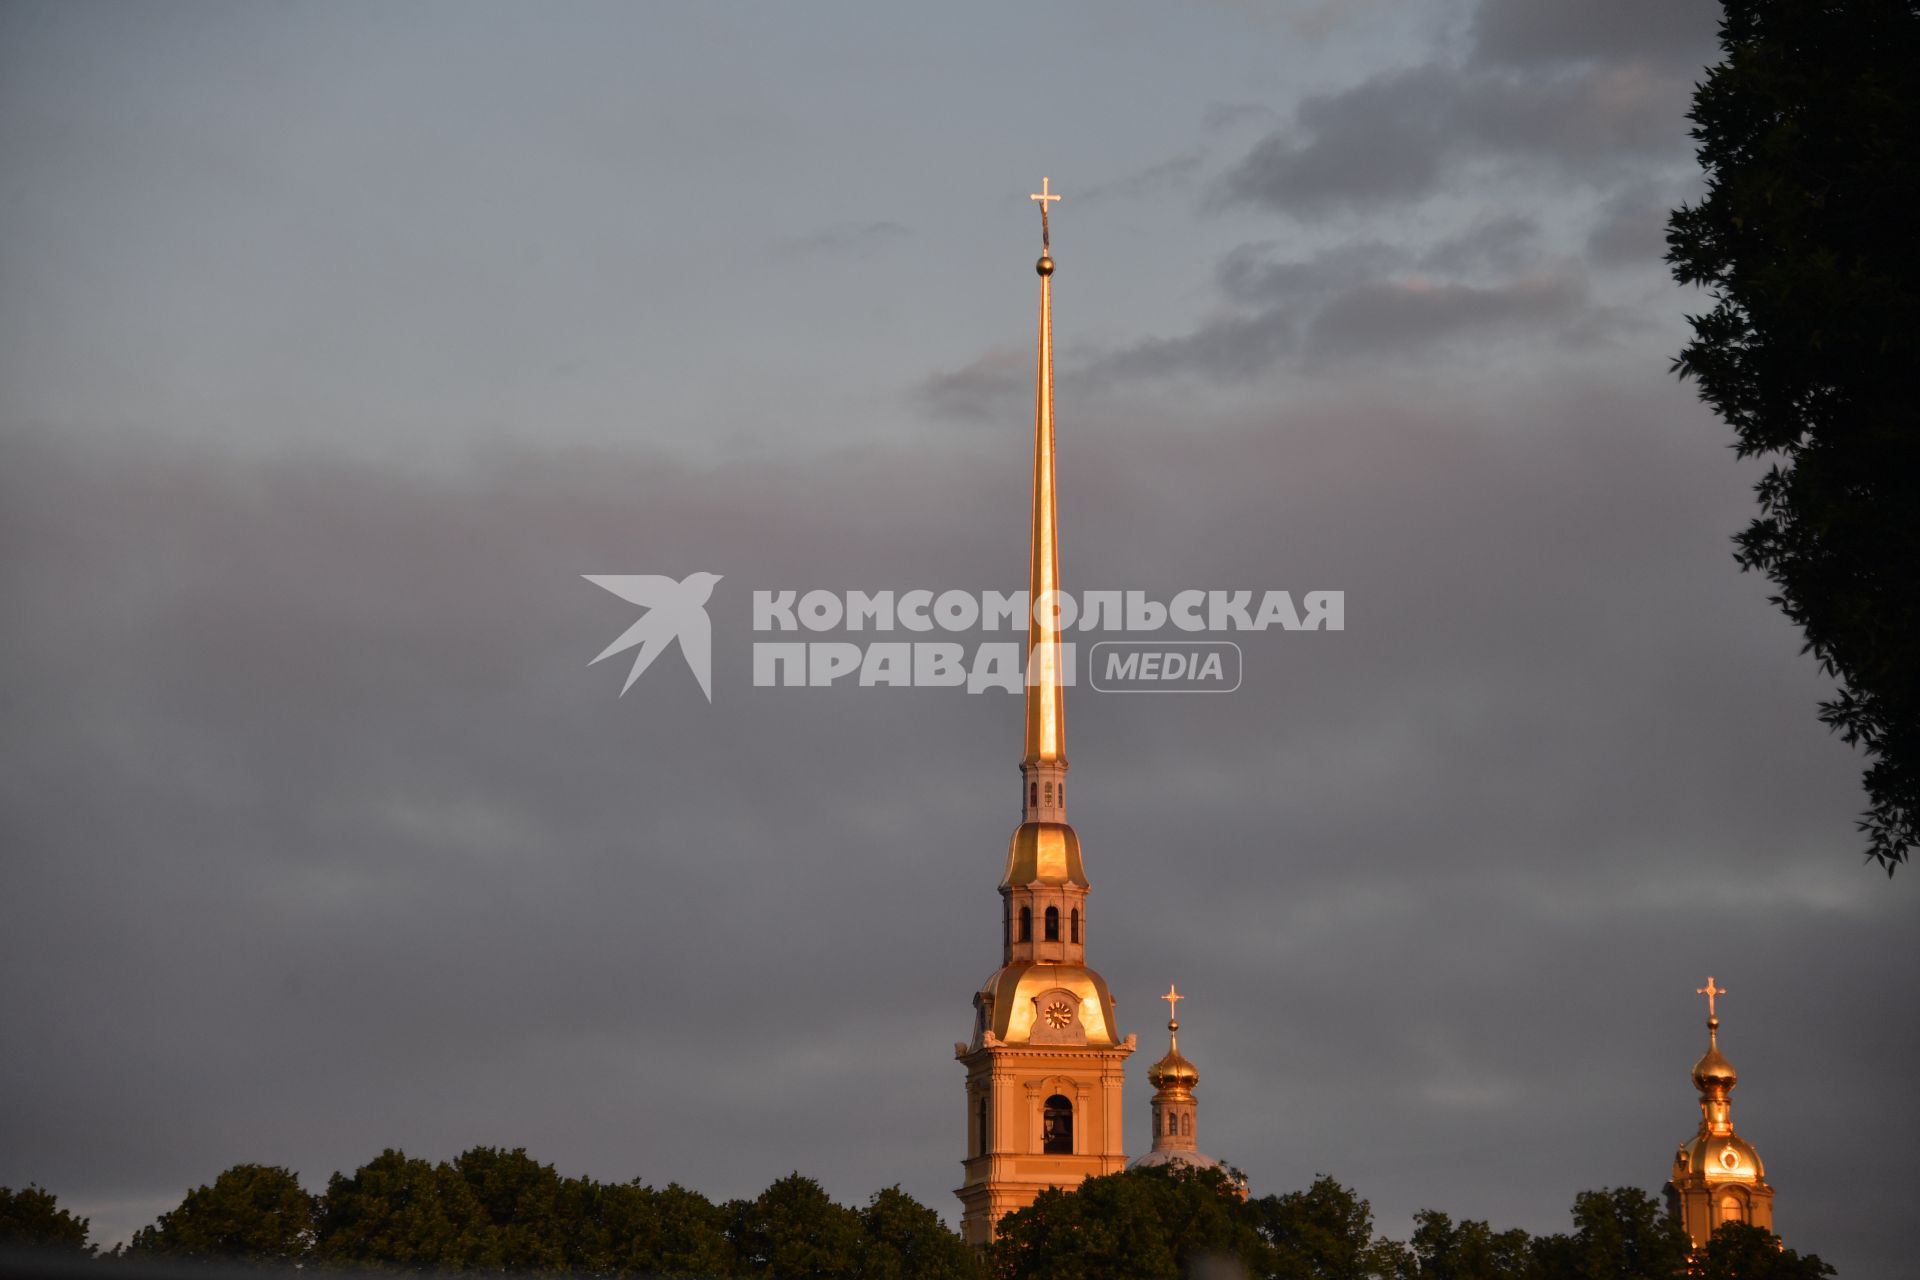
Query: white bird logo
(674, 611)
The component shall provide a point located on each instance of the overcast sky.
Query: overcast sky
(337, 341)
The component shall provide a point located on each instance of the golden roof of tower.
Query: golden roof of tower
(1044, 853)
(1014, 990)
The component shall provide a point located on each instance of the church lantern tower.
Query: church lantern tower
(1045, 1063)
(1175, 1110)
(1717, 1176)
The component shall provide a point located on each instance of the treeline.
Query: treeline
(491, 1210)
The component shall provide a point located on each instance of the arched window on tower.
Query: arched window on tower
(1053, 924)
(1026, 924)
(983, 1128)
(1033, 795)
(1186, 1126)
(1731, 1209)
(1073, 921)
(1056, 1127)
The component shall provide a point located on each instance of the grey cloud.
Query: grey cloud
(1231, 347)
(1361, 300)
(1395, 316)
(1500, 243)
(1401, 136)
(1227, 115)
(989, 387)
(1250, 275)
(1631, 228)
(1380, 141)
(1520, 32)
(1154, 177)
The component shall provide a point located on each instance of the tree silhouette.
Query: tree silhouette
(31, 1218)
(251, 1213)
(1809, 133)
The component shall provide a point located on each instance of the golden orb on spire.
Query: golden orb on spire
(1045, 265)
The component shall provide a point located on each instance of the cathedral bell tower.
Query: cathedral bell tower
(1045, 1063)
(1717, 1176)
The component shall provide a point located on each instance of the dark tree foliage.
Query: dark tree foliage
(31, 1218)
(251, 1213)
(1323, 1233)
(496, 1211)
(1809, 133)
(1741, 1252)
(1618, 1234)
(1172, 1223)
(905, 1240)
(673, 1232)
(493, 1210)
(529, 1210)
(403, 1213)
(1442, 1249)
(793, 1231)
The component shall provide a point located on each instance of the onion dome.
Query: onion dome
(1173, 1073)
(1713, 1071)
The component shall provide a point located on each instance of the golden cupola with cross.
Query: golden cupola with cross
(1045, 1062)
(1176, 1111)
(1717, 1175)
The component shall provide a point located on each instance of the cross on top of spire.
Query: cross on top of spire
(1173, 999)
(1045, 197)
(1710, 991)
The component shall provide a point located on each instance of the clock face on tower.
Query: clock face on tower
(1058, 1014)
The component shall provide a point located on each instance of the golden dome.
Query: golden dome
(1044, 853)
(1722, 1157)
(1713, 1071)
(1173, 1072)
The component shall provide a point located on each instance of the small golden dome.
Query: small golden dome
(1045, 265)
(1713, 1071)
(1173, 1072)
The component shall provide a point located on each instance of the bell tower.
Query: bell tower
(1045, 1063)
(1717, 1176)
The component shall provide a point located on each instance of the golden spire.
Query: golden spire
(1046, 698)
